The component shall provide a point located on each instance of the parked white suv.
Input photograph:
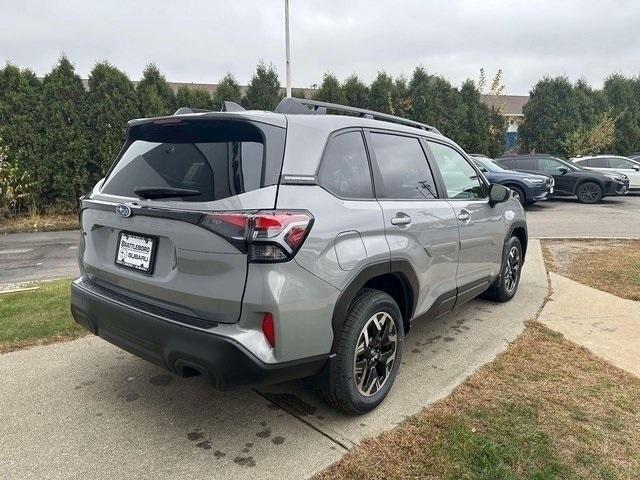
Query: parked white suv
(612, 164)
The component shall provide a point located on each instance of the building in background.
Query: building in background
(510, 107)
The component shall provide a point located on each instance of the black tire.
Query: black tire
(589, 192)
(341, 390)
(506, 286)
(519, 194)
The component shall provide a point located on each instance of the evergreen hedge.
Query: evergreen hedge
(58, 138)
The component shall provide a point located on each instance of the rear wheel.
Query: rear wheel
(589, 192)
(368, 354)
(506, 285)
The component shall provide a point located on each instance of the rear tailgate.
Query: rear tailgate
(154, 250)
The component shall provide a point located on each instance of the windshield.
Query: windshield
(488, 164)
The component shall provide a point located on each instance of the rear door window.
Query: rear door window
(526, 164)
(596, 163)
(345, 167)
(216, 159)
(404, 171)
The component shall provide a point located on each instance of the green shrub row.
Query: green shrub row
(58, 138)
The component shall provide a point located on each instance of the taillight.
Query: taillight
(266, 235)
(269, 329)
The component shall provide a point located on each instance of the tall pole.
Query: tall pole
(287, 48)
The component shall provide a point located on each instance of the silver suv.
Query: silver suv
(256, 247)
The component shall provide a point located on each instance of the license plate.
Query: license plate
(551, 190)
(136, 252)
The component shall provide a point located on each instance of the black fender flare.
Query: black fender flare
(522, 224)
(398, 266)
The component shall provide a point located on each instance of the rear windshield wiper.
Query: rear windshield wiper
(164, 192)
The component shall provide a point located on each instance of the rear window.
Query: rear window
(218, 159)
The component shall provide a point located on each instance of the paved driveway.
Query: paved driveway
(85, 409)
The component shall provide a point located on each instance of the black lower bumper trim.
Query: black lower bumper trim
(179, 348)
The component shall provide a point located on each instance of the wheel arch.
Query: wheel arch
(519, 229)
(515, 183)
(396, 278)
(582, 181)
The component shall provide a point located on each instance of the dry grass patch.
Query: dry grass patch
(609, 265)
(39, 223)
(544, 409)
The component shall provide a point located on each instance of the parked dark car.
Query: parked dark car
(527, 187)
(570, 179)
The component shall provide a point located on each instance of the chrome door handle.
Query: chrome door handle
(401, 219)
(464, 215)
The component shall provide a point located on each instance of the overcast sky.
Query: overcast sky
(199, 41)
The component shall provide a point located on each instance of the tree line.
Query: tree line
(570, 119)
(58, 138)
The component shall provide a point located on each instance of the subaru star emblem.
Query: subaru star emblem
(123, 210)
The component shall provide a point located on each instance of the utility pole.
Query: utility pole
(287, 48)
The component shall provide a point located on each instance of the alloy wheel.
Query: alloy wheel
(590, 192)
(512, 269)
(375, 353)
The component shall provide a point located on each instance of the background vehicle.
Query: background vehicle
(527, 187)
(212, 248)
(613, 164)
(570, 179)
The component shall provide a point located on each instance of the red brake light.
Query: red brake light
(268, 329)
(267, 235)
(228, 224)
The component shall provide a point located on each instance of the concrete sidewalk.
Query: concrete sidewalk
(607, 325)
(85, 409)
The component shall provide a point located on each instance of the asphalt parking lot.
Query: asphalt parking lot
(566, 217)
(85, 409)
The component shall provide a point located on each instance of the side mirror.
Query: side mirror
(498, 194)
(563, 170)
(636, 168)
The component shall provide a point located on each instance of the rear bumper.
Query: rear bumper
(180, 348)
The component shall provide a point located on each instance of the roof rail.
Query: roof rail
(310, 107)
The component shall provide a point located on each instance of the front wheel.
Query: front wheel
(519, 195)
(589, 192)
(506, 285)
(368, 354)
